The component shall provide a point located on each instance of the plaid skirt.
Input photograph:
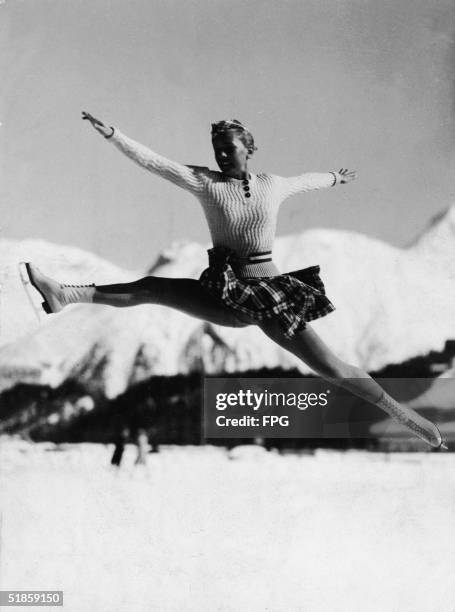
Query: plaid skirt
(293, 298)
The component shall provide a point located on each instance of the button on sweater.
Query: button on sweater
(245, 225)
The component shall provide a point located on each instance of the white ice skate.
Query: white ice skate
(422, 427)
(55, 295)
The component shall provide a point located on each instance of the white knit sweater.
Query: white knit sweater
(246, 225)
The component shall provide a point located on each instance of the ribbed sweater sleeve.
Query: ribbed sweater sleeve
(308, 182)
(186, 177)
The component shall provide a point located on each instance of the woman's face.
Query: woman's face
(231, 153)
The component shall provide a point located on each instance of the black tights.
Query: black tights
(184, 294)
(188, 296)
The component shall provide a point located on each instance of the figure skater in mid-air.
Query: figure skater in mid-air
(241, 285)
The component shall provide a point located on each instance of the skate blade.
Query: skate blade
(47, 309)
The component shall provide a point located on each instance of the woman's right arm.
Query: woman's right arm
(179, 174)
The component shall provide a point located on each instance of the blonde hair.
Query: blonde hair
(234, 125)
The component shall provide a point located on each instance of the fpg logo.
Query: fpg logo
(273, 420)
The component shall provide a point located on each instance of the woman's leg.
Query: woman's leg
(184, 294)
(309, 347)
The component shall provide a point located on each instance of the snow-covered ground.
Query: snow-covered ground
(208, 530)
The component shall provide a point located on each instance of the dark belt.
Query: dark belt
(253, 258)
(225, 254)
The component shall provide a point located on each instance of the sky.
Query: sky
(322, 84)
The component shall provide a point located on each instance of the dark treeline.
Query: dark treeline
(169, 408)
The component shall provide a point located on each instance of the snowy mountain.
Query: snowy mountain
(392, 304)
(436, 244)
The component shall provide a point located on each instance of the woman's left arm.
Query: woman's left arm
(317, 180)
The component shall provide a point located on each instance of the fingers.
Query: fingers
(345, 171)
(92, 119)
(347, 175)
(87, 116)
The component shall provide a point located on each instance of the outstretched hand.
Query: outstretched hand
(98, 125)
(347, 175)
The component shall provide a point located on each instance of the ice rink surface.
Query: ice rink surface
(206, 530)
